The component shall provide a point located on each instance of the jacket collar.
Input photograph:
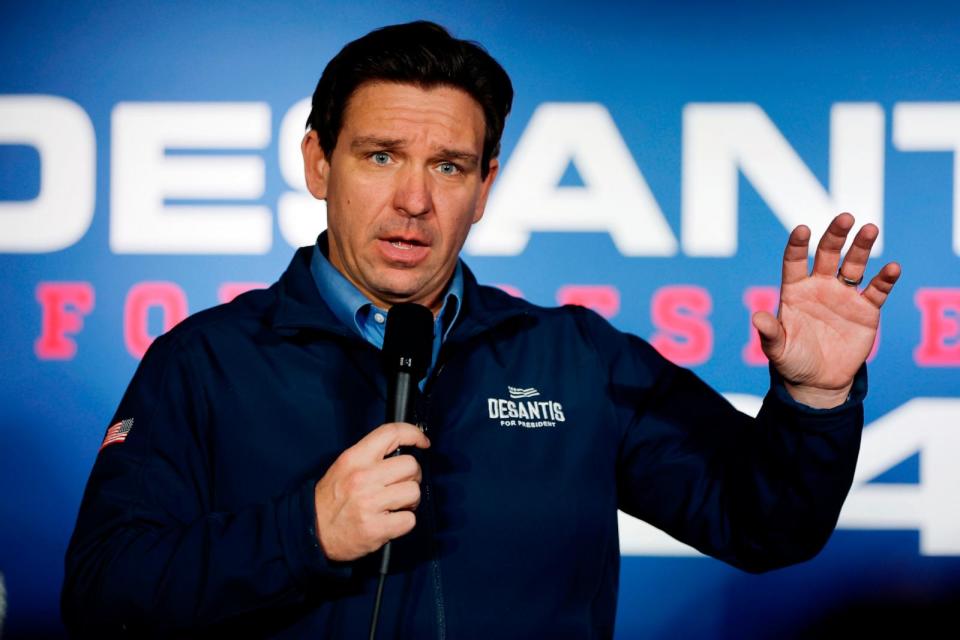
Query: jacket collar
(299, 306)
(483, 309)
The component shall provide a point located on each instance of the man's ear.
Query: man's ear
(485, 190)
(316, 167)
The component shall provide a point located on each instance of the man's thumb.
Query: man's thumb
(771, 332)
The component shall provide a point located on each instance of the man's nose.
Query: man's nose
(412, 195)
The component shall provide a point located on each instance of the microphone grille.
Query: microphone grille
(408, 339)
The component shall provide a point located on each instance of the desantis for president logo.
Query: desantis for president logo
(521, 410)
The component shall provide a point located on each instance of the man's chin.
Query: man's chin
(395, 292)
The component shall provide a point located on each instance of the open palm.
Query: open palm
(825, 326)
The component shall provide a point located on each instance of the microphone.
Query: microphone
(407, 351)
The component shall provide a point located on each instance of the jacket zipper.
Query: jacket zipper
(434, 559)
(435, 574)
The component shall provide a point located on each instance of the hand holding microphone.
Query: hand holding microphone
(366, 498)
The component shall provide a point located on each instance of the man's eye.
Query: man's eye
(448, 169)
(380, 157)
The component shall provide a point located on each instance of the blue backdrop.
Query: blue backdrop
(655, 158)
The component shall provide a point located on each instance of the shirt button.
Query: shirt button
(379, 318)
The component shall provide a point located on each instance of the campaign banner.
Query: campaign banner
(655, 160)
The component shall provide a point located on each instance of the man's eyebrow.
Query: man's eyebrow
(456, 154)
(375, 141)
(444, 153)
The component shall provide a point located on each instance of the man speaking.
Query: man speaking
(246, 483)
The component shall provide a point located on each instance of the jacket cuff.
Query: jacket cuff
(296, 520)
(778, 392)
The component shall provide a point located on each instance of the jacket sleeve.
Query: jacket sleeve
(758, 493)
(149, 556)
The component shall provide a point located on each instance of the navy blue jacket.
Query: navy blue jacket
(542, 421)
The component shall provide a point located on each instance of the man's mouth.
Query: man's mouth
(405, 243)
(405, 250)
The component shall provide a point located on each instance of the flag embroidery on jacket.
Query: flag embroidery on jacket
(117, 433)
(517, 392)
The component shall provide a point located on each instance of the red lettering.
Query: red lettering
(602, 298)
(509, 288)
(684, 334)
(142, 296)
(230, 290)
(939, 327)
(62, 307)
(758, 299)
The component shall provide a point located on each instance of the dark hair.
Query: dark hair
(420, 53)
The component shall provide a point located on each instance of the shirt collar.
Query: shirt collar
(355, 311)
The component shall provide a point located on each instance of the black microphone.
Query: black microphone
(407, 351)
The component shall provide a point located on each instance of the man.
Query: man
(248, 486)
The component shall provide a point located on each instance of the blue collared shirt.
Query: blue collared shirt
(355, 311)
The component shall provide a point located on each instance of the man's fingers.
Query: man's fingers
(795, 255)
(398, 523)
(396, 469)
(882, 284)
(827, 259)
(402, 495)
(386, 439)
(363, 499)
(855, 262)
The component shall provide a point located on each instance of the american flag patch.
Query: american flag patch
(117, 433)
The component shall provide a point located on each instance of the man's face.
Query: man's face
(402, 187)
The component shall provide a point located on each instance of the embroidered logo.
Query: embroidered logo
(117, 433)
(520, 411)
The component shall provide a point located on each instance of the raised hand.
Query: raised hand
(825, 326)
